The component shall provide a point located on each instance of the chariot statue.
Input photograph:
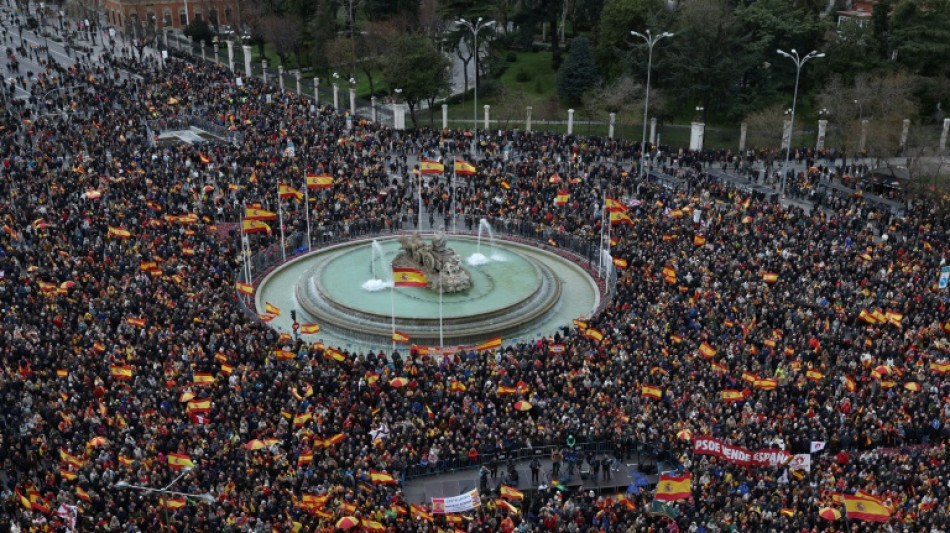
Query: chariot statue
(441, 264)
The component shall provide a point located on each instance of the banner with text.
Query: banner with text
(737, 455)
(456, 504)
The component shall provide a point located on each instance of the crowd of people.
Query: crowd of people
(128, 358)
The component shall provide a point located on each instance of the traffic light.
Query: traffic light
(293, 315)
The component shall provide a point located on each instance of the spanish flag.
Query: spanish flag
(336, 439)
(620, 217)
(409, 277)
(374, 527)
(457, 386)
(202, 378)
(304, 459)
(255, 226)
(732, 395)
(502, 390)
(651, 392)
(177, 461)
(431, 167)
(119, 233)
(814, 375)
(419, 513)
(259, 214)
(62, 373)
(172, 503)
(126, 461)
(867, 317)
(620, 263)
(769, 277)
(580, 324)
(894, 318)
(83, 495)
(300, 420)
(286, 191)
(562, 198)
(71, 460)
(490, 344)
(399, 336)
(319, 181)
(505, 505)
(788, 511)
(201, 405)
(849, 384)
(121, 372)
(867, 508)
(381, 478)
(716, 367)
(940, 367)
(612, 205)
(510, 493)
(226, 369)
(336, 355)
(310, 329)
(271, 308)
(245, 288)
(749, 377)
(463, 168)
(699, 240)
(673, 488)
(594, 334)
(66, 474)
(708, 351)
(765, 384)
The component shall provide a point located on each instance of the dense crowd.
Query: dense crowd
(117, 262)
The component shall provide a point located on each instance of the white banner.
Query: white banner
(456, 504)
(801, 461)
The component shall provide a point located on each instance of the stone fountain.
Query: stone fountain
(441, 264)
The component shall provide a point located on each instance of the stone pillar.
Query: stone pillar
(336, 95)
(247, 60)
(299, 87)
(399, 117)
(166, 39)
(353, 101)
(202, 46)
(264, 70)
(943, 134)
(570, 121)
(904, 131)
(652, 130)
(822, 126)
(786, 134)
(527, 124)
(863, 143)
(610, 130)
(487, 116)
(230, 55)
(215, 48)
(743, 129)
(316, 91)
(696, 134)
(445, 116)
(372, 104)
(280, 76)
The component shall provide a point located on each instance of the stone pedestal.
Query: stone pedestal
(336, 96)
(445, 116)
(570, 121)
(527, 125)
(264, 70)
(786, 134)
(487, 116)
(652, 130)
(215, 48)
(610, 129)
(230, 55)
(372, 105)
(743, 130)
(280, 77)
(247, 60)
(822, 126)
(353, 101)
(316, 91)
(399, 120)
(299, 87)
(904, 132)
(696, 133)
(943, 134)
(863, 142)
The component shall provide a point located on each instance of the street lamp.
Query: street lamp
(799, 61)
(650, 40)
(206, 497)
(475, 28)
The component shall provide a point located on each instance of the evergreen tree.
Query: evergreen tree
(578, 73)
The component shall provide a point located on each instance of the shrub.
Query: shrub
(522, 76)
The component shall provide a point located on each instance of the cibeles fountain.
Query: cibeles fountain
(477, 288)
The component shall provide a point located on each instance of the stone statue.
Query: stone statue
(441, 264)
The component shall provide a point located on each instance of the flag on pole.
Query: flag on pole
(562, 198)
(178, 461)
(255, 226)
(431, 167)
(867, 508)
(245, 288)
(259, 214)
(319, 181)
(612, 205)
(673, 488)
(309, 329)
(463, 168)
(399, 336)
(409, 277)
(286, 191)
(490, 344)
(119, 233)
(620, 217)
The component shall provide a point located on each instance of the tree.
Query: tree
(283, 32)
(920, 36)
(199, 31)
(578, 73)
(617, 19)
(765, 127)
(418, 68)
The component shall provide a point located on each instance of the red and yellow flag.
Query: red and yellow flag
(119, 233)
(490, 344)
(177, 461)
(620, 217)
(651, 392)
(121, 372)
(255, 226)
(381, 478)
(203, 378)
(309, 329)
(673, 488)
(594, 334)
(732, 395)
(271, 308)
(259, 214)
(707, 351)
(286, 191)
(431, 167)
(699, 240)
(409, 277)
(319, 181)
(769, 277)
(510, 493)
(399, 336)
(612, 205)
(463, 168)
(562, 198)
(244, 288)
(867, 508)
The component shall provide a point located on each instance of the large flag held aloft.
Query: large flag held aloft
(431, 167)
(672, 488)
(319, 181)
(409, 277)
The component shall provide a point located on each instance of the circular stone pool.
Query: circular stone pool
(518, 292)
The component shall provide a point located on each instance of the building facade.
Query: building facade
(146, 18)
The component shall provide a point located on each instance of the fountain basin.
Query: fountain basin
(521, 292)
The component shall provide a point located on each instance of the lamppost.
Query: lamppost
(650, 40)
(475, 28)
(799, 61)
(207, 497)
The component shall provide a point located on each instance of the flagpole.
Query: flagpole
(603, 222)
(307, 206)
(245, 247)
(392, 309)
(441, 343)
(280, 211)
(455, 175)
(419, 196)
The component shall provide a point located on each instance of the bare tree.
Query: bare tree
(283, 32)
(765, 127)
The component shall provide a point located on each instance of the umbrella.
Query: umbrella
(271, 442)
(67, 284)
(685, 434)
(398, 382)
(882, 370)
(208, 188)
(829, 513)
(554, 179)
(96, 441)
(523, 406)
(914, 386)
(256, 444)
(347, 522)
